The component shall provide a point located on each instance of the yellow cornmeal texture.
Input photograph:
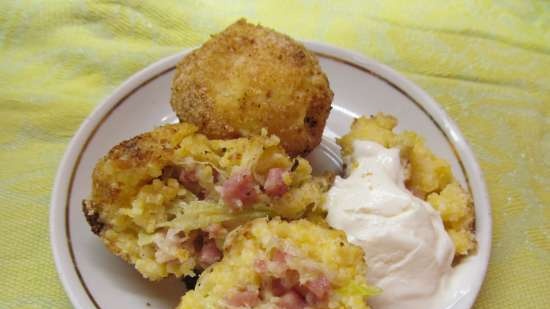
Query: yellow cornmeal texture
(249, 77)
(134, 202)
(328, 247)
(429, 177)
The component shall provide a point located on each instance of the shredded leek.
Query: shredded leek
(200, 214)
(359, 288)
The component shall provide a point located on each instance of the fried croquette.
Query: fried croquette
(286, 265)
(249, 77)
(429, 177)
(165, 200)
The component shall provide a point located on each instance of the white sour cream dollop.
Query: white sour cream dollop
(407, 250)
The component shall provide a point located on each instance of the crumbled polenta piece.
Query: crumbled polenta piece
(456, 209)
(261, 254)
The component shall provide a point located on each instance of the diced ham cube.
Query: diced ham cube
(320, 287)
(291, 300)
(239, 190)
(315, 291)
(246, 299)
(277, 287)
(274, 184)
(290, 279)
(278, 256)
(278, 263)
(209, 254)
(188, 178)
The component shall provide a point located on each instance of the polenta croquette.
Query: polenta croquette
(249, 77)
(286, 265)
(429, 177)
(165, 200)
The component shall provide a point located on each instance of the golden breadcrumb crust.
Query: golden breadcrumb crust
(249, 77)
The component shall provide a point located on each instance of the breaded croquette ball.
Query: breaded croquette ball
(278, 264)
(165, 200)
(249, 77)
(429, 177)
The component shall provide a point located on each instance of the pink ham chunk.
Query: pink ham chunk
(209, 254)
(279, 280)
(274, 184)
(290, 279)
(317, 290)
(188, 178)
(280, 286)
(245, 299)
(291, 300)
(279, 256)
(239, 190)
(277, 288)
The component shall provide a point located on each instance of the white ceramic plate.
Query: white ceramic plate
(94, 278)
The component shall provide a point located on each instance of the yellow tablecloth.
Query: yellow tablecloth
(486, 62)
